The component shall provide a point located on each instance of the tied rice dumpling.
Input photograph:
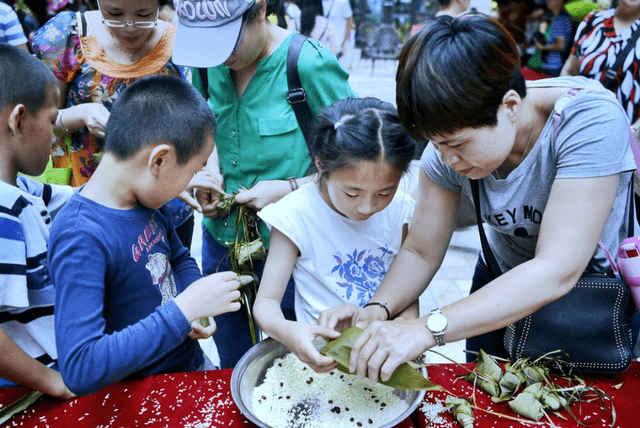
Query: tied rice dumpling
(461, 410)
(486, 375)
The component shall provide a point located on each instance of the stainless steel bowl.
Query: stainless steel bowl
(252, 368)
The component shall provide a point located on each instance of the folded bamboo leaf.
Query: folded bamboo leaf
(248, 251)
(535, 374)
(550, 399)
(510, 382)
(462, 411)
(404, 377)
(525, 404)
(22, 403)
(486, 375)
(226, 202)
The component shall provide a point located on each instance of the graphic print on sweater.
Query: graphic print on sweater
(162, 275)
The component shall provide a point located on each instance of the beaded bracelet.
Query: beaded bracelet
(382, 305)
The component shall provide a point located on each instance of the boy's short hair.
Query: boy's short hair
(24, 79)
(454, 73)
(159, 108)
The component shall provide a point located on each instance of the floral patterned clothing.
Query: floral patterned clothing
(597, 45)
(93, 77)
(341, 260)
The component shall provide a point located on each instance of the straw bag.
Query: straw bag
(53, 175)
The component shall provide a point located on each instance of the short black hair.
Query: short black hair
(454, 73)
(24, 79)
(360, 129)
(159, 108)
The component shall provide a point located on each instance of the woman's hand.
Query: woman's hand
(205, 180)
(95, 117)
(263, 193)
(385, 345)
(347, 315)
(208, 189)
(298, 337)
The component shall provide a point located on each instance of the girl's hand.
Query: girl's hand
(95, 117)
(384, 345)
(263, 193)
(199, 332)
(212, 295)
(298, 337)
(346, 315)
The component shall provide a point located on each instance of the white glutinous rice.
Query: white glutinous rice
(294, 396)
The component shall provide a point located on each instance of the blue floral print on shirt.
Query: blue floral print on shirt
(362, 272)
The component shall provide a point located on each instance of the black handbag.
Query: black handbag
(590, 326)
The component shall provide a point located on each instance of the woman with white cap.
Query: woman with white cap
(260, 151)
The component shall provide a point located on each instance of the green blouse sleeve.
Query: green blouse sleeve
(322, 77)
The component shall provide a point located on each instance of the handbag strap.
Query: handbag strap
(611, 73)
(296, 95)
(486, 249)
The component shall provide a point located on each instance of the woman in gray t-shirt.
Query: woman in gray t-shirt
(554, 167)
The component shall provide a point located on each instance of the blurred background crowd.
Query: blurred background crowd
(354, 23)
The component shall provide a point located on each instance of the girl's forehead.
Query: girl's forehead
(367, 173)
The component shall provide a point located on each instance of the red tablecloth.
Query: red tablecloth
(203, 399)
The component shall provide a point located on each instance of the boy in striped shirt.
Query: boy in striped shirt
(29, 98)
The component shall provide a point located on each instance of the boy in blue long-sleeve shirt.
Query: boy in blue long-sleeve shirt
(127, 291)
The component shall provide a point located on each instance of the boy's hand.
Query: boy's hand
(298, 337)
(212, 295)
(56, 387)
(200, 332)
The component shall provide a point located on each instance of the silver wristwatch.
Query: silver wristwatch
(437, 323)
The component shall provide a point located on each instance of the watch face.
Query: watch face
(436, 322)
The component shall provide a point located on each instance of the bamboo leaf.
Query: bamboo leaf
(404, 377)
(19, 405)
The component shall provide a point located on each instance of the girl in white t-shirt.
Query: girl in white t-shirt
(339, 234)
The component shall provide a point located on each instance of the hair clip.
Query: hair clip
(338, 123)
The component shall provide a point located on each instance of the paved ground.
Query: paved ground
(454, 277)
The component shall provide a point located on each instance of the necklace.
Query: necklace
(130, 55)
(533, 127)
(524, 153)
